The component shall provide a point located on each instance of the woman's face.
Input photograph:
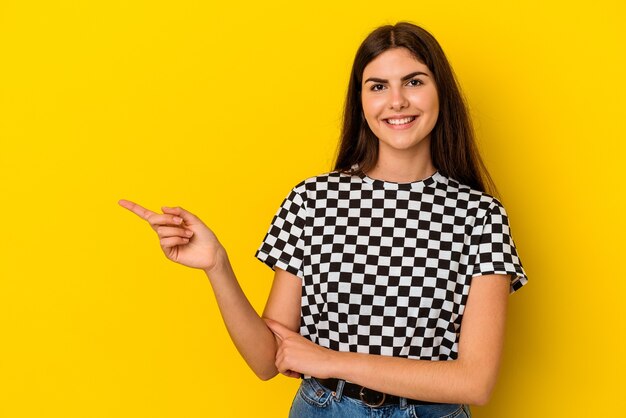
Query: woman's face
(400, 101)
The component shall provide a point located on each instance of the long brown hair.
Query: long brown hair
(453, 145)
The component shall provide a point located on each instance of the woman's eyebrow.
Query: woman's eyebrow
(406, 77)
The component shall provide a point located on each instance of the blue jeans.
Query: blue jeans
(315, 401)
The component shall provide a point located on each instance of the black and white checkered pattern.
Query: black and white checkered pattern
(386, 267)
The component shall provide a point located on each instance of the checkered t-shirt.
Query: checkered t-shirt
(386, 267)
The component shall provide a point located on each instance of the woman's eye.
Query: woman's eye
(415, 82)
(377, 87)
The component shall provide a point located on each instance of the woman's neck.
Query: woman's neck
(402, 168)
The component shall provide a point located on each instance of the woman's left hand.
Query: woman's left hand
(296, 355)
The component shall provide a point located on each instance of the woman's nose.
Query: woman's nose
(398, 99)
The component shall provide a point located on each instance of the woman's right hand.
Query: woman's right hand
(184, 238)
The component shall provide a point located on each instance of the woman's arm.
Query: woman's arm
(185, 239)
(468, 379)
(250, 334)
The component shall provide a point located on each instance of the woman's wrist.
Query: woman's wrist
(336, 364)
(221, 263)
(342, 364)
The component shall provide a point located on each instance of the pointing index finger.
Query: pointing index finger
(138, 210)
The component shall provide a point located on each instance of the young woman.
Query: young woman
(391, 272)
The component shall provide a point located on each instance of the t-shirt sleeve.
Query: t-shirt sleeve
(496, 250)
(283, 245)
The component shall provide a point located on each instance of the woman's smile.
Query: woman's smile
(400, 122)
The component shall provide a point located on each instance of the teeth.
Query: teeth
(400, 121)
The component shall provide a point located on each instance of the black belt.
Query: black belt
(370, 397)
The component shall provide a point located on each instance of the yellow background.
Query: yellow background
(222, 108)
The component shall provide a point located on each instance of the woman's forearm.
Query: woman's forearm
(253, 339)
(451, 381)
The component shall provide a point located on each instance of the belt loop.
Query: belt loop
(403, 403)
(339, 390)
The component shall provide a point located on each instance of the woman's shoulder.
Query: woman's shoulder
(466, 195)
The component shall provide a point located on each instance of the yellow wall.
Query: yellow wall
(222, 109)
